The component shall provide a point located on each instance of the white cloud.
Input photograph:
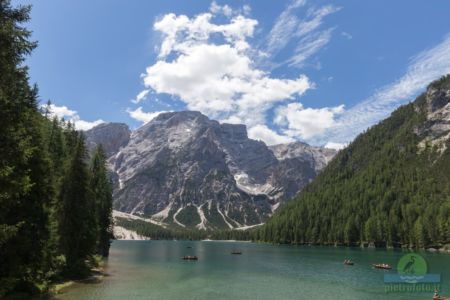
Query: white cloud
(217, 78)
(284, 27)
(141, 96)
(72, 116)
(315, 19)
(304, 31)
(180, 33)
(210, 66)
(246, 9)
(141, 116)
(300, 122)
(216, 9)
(335, 146)
(308, 46)
(423, 68)
(86, 125)
(61, 111)
(347, 35)
(227, 11)
(270, 137)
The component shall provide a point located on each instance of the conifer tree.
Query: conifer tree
(25, 188)
(77, 225)
(101, 189)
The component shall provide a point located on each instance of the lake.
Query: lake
(154, 270)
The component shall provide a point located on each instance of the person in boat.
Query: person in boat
(436, 295)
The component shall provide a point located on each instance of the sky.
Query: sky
(314, 71)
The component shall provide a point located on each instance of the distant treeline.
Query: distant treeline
(159, 233)
(55, 202)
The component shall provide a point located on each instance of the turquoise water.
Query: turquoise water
(154, 270)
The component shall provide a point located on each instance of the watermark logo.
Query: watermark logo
(412, 276)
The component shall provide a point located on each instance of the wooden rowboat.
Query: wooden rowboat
(189, 257)
(382, 266)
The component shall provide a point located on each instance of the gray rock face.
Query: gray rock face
(299, 163)
(185, 169)
(436, 129)
(112, 136)
(317, 156)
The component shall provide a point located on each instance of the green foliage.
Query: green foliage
(76, 212)
(24, 193)
(381, 189)
(51, 222)
(189, 216)
(102, 192)
(159, 233)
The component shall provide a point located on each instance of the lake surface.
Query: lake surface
(154, 270)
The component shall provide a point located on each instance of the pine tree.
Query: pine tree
(101, 189)
(77, 224)
(25, 187)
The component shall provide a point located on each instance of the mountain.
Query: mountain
(185, 170)
(112, 136)
(390, 187)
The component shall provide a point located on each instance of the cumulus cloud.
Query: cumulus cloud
(72, 116)
(61, 111)
(267, 135)
(216, 76)
(423, 68)
(212, 67)
(217, 9)
(301, 122)
(141, 116)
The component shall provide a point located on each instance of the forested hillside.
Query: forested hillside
(55, 204)
(156, 232)
(391, 186)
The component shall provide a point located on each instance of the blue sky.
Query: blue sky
(316, 71)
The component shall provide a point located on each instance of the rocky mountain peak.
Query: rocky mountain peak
(112, 136)
(234, 131)
(184, 169)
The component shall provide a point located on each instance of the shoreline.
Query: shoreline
(95, 276)
(430, 250)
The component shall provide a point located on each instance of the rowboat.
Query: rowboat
(189, 257)
(236, 252)
(382, 266)
(348, 262)
(437, 297)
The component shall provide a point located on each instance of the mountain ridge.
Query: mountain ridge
(189, 171)
(389, 187)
